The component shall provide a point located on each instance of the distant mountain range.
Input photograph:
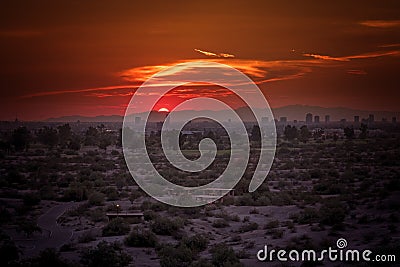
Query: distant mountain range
(292, 112)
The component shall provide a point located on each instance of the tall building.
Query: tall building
(327, 118)
(371, 118)
(357, 119)
(316, 119)
(309, 118)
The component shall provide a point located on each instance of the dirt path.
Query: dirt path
(54, 235)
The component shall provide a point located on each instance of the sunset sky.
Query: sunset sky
(87, 57)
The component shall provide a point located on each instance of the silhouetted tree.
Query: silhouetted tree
(318, 133)
(104, 142)
(64, 134)
(74, 143)
(255, 133)
(119, 141)
(48, 136)
(291, 133)
(20, 138)
(304, 134)
(335, 137)
(91, 136)
(364, 131)
(349, 132)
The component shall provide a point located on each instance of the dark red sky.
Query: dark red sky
(86, 57)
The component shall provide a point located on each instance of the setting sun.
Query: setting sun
(163, 110)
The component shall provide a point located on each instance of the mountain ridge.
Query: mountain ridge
(291, 112)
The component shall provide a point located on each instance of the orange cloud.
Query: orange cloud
(211, 54)
(375, 54)
(357, 72)
(381, 23)
(390, 45)
(324, 57)
(360, 56)
(259, 71)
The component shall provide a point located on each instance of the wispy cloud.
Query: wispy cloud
(325, 57)
(211, 54)
(359, 56)
(376, 54)
(94, 89)
(357, 72)
(380, 23)
(389, 45)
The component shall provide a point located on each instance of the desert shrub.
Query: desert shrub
(308, 215)
(245, 200)
(96, 199)
(105, 255)
(196, 243)
(243, 254)
(329, 188)
(111, 193)
(154, 206)
(149, 215)
(281, 199)
(236, 238)
(171, 256)
(115, 227)
(166, 226)
(86, 237)
(222, 255)
(228, 200)
(272, 224)
(114, 153)
(220, 223)
(332, 212)
(254, 211)
(248, 227)
(48, 257)
(202, 263)
(97, 215)
(140, 237)
(275, 233)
